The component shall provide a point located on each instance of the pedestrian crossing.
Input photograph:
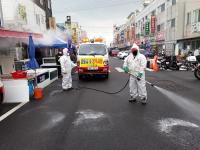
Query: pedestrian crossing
(119, 69)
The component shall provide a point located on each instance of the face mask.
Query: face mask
(135, 53)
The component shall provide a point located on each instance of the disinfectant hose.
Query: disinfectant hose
(106, 92)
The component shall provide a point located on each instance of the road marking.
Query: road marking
(12, 111)
(119, 69)
(148, 69)
(166, 125)
(88, 115)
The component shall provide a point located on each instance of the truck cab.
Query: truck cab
(93, 59)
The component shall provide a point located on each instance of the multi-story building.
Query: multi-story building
(25, 15)
(170, 25)
(46, 6)
(191, 26)
(124, 35)
(150, 25)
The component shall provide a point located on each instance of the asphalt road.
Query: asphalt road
(90, 120)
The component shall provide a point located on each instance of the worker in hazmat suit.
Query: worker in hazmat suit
(66, 68)
(135, 64)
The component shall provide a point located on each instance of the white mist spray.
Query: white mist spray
(188, 105)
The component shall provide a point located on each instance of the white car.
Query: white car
(1, 92)
(124, 54)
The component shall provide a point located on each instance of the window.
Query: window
(37, 19)
(153, 13)
(162, 7)
(162, 27)
(92, 49)
(49, 4)
(158, 28)
(42, 19)
(189, 18)
(42, 2)
(196, 16)
(173, 2)
(173, 23)
(199, 15)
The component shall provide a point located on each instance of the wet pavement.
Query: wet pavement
(90, 120)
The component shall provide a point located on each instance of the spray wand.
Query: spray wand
(149, 83)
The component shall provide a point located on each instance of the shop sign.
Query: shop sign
(138, 41)
(41, 78)
(196, 27)
(160, 36)
(52, 23)
(22, 13)
(152, 39)
(153, 24)
(147, 27)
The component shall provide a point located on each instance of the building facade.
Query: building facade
(124, 35)
(191, 30)
(172, 26)
(169, 25)
(25, 15)
(46, 6)
(1, 15)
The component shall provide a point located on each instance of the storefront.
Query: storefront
(189, 44)
(13, 47)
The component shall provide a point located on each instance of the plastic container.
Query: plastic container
(38, 93)
(19, 74)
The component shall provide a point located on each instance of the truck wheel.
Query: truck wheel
(106, 76)
(1, 98)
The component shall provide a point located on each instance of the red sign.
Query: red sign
(160, 36)
(153, 24)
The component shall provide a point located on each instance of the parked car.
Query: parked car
(123, 54)
(114, 52)
(1, 92)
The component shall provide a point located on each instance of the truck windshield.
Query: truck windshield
(92, 49)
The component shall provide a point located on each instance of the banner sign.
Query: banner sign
(153, 24)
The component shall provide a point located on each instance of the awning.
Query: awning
(56, 42)
(17, 34)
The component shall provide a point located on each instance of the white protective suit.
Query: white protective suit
(137, 64)
(66, 68)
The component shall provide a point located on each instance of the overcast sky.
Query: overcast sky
(95, 16)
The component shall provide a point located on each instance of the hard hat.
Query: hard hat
(135, 47)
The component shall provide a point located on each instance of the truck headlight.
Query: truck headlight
(106, 63)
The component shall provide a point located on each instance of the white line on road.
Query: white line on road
(11, 111)
(119, 69)
(151, 70)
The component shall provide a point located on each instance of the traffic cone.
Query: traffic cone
(155, 64)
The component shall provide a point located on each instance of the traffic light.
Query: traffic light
(68, 20)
